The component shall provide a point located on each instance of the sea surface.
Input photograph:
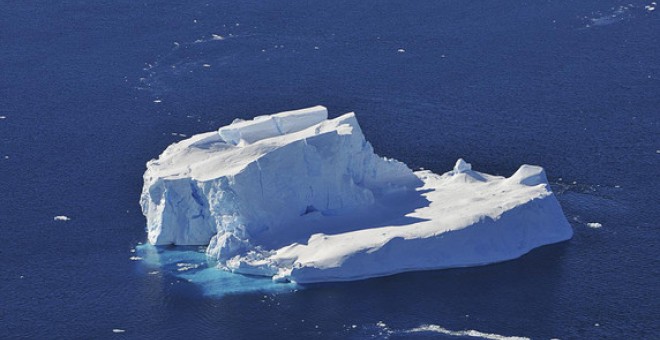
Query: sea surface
(92, 90)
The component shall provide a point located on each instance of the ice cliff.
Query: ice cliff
(297, 196)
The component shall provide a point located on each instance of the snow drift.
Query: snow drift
(297, 196)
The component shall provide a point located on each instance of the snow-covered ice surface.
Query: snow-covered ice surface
(299, 197)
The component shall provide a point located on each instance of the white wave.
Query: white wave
(465, 333)
(594, 225)
(62, 218)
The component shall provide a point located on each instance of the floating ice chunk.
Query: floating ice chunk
(182, 267)
(298, 197)
(594, 225)
(62, 218)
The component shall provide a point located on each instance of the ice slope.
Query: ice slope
(300, 197)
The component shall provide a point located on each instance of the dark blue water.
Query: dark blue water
(573, 86)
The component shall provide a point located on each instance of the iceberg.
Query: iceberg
(298, 197)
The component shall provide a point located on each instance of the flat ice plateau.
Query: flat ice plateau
(299, 197)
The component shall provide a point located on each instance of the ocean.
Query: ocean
(92, 90)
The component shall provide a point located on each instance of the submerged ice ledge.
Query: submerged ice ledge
(299, 197)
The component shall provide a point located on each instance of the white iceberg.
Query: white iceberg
(300, 197)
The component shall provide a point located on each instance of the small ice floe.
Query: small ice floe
(157, 101)
(401, 50)
(217, 37)
(118, 330)
(62, 218)
(186, 266)
(135, 258)
(594, 225)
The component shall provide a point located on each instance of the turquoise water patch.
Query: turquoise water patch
(191, 264)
